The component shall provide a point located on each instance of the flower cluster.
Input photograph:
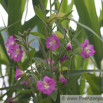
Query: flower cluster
(13, 49)
(47, 86)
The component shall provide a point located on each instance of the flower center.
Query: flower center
(46, 86)
(17, 52)
(49, 62)
(12, 43)
(87, 50)
(53, 42)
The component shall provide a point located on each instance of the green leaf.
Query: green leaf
(44, 100)
(37, 2)
(73, 72)
(12, 87)
(19, 37)
(9, 26)
(51, 19)
(60, 15)
(3, 47)
(93, 86)
(88, 28)
(14, 13)
(25, 91)
(54, 95)
(37, 59)
(22, 5)
(64, 6)
(59, 83)
(20, 66)
(40, 14)
(37, 34)
(30, 23)
(4, 3)
(59, 34)
(61, 20)
(72, 79)
(44, 73)
(31, 53)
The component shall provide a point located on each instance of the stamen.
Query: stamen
(17, 52)
(50, 43)
(12, 43)
(87, 50)
(53, 42)
(46, 86)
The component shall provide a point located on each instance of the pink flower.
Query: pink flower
(88, 50)
(49, 62)
(69, 47)
(18, 73)
(52, 42)
(47, 86)
(62, 79)
(25, 82)
(63, 58)
(15, 52)
(10, 41)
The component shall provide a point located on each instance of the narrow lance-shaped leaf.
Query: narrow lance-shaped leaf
(14, 13)
(37, 34)
(40, 14)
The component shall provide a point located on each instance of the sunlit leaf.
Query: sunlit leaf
(40, 14)
(37, 34)
(59, 34)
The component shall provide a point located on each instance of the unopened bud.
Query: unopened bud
(28, 31)
(69, 47)
(62, 79)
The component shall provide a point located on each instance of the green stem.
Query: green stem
(40, 96)
(50, 50)
(68, 69)
(59, 6)
(50, 8)
(26, 78)
(48, 99)
(51, 72)
(61, 67)
(42, 7)
(31, 88)
(33, 76)
(60, 49)
(43, 51)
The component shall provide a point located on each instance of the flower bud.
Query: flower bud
(28, 31)
(69, 47)
(62, 79)
(63, 58)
